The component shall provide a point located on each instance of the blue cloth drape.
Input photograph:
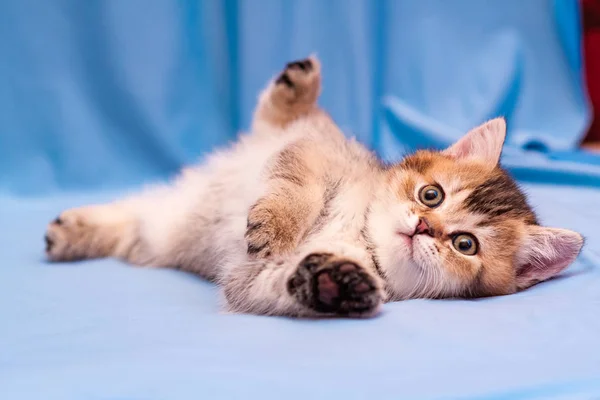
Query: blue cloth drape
(97, 94)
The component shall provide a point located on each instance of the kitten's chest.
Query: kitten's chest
(344, 211)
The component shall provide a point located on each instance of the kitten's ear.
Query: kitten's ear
(545, 253)
(483, 143)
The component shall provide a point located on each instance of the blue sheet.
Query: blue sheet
(98, 96)
(103, 330)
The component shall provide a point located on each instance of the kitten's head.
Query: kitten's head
(455, 224)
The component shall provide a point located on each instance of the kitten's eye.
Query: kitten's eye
(465, 243)
(431, 195)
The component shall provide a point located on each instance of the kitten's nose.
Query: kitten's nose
(423, 227)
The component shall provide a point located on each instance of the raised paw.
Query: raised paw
(268, 232)
(74, 235)
(332, 285)
(298, 85)
(303, 67)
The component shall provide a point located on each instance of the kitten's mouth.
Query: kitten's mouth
(408, 242)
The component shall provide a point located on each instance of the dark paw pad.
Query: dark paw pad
(304, 65)
(330, 285)
(285, 80)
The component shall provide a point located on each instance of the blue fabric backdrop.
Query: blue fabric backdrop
(98, 94)
(106, 94)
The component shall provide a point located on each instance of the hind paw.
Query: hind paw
(68, 236)
(85, 232)
(299, 82)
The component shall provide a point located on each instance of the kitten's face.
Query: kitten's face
(450, 224)
(437, 224)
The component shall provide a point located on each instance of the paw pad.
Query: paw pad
(299, 75)
(328, 284)
(304, 65)
(285, 80)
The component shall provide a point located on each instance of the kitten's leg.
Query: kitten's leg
(291, 95)
(336, 281)
(144, 229)
(107, 230)
(297, 191)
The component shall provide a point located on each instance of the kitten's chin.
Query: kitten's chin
(414, 251)
(406, 243)
(424, 253)
(402, 274)
(403, 280)
(411, 269)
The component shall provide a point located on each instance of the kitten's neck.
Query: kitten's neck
(380, 237)
(381, 180)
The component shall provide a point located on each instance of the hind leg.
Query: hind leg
(144, 229)
(290, 96)
(107, 230)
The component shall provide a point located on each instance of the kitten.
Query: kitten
(295, 219)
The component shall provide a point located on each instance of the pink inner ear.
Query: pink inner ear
(547, 252)
(462, 149)
(483, 143)
(530, 273)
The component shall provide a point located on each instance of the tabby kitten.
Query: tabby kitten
(295, 219)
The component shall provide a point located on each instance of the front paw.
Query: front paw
(332, 285)
(269, 233)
